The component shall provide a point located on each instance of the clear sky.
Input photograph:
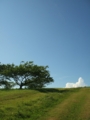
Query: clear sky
(49, 32)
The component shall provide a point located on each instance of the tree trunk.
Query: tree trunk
(21, 86)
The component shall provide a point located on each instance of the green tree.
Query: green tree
(26, 74)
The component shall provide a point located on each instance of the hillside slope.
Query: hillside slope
(45, 104)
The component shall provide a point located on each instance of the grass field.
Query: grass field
(45, 104)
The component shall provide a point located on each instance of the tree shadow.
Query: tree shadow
(48, 90)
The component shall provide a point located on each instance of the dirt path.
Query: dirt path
(73, 108)
(85, 112)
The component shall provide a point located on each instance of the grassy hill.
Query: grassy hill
(45, 104)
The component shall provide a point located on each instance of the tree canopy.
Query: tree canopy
(25, 74)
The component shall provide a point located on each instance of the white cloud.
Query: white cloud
(79, 83)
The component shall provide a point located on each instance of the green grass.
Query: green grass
(45, 104)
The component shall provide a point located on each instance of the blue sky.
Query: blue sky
(49, 32)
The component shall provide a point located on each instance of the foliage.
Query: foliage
(6, 84)
(26, 74)
(40, 77)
